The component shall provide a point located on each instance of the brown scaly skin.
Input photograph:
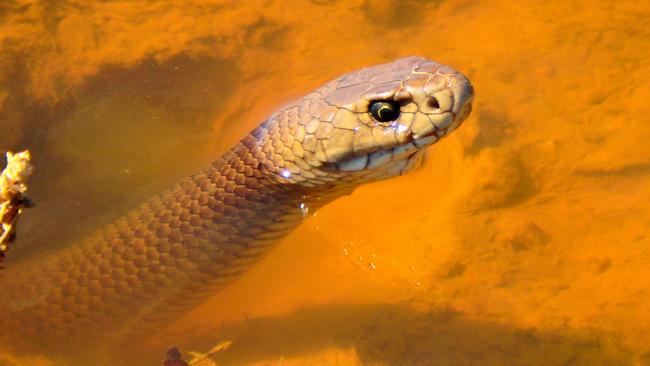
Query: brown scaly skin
(177, 248)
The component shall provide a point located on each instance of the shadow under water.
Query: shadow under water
(400, 334)
(126, 134)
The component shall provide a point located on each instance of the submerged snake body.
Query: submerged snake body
(178, 247)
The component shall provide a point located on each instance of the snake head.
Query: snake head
(366, 125)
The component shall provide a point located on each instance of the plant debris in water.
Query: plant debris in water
(12, 196)
(173, 356)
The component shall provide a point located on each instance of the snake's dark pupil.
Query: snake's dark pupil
(384, 111)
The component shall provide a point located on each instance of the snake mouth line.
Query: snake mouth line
(383, 157)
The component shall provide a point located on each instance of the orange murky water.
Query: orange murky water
(524, 239)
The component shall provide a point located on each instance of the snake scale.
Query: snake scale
(179, 247)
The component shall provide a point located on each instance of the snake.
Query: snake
(179, 247)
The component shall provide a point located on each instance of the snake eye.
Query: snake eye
(384, 111)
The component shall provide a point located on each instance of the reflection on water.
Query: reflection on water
(524, 238)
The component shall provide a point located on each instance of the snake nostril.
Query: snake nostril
(433, 103)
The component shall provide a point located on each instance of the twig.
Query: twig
(13, 197)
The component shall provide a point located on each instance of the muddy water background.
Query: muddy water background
(524, 239)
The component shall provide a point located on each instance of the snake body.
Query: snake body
(177, 248)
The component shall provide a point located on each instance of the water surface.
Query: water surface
(523, 240)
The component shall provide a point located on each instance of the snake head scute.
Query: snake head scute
(334, 135)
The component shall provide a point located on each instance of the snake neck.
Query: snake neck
(159, 260)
